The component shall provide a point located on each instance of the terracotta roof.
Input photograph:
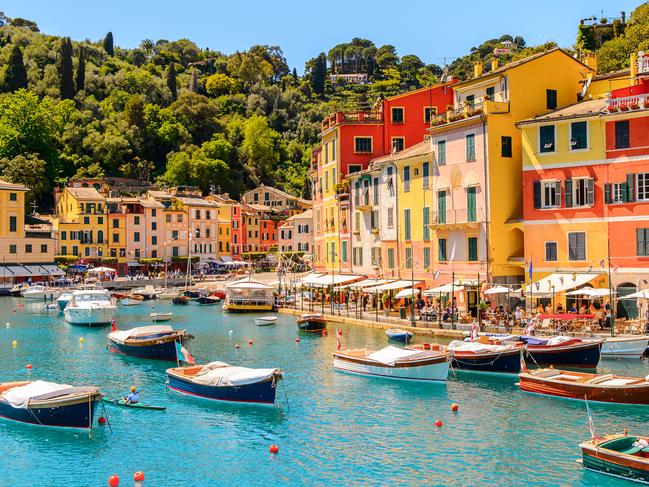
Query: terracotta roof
(578, 110)
(12, 186)
(279, 192)
(420, 149)
(308, 214)
(622, 73)
(150, 203)
(85, 193)
(159, 194)
(195, 201)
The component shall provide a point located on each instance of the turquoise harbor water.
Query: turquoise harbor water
(335, 429)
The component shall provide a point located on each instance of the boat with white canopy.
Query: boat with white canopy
(90, 307)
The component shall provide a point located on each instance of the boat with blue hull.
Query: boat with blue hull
(153, 342)
(219, 381)
(399, 335)
(484, 357)
(562, 352)
(49, 404)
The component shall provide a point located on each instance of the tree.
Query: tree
(260, 149)
(28, 170)
(108, 44)
(16, 75)
(319, 74)
(66, 80)
(171, 81)
(294, 73)
(27, 24)
(220, 84)
(81, 70)
(386, 56)
(615, 53)
(193, 82)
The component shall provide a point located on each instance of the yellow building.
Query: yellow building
(224, 215)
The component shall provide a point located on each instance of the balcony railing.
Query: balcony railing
(643, 63)
(628, 103)
(458, 218)
(470, 110)
(351, 117)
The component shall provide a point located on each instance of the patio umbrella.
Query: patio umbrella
(101, 270)
(497, 290)
(644, 294)
(408, 293)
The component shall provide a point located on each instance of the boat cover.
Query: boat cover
(390, 355)
(19, 397)
(121, 335)
(220, 374)
(475, 347)
(558, 340)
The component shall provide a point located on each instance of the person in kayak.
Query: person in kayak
(133, 397)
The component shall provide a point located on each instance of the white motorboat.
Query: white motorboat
(168, 293)
(131, 300)
(147, 292)
(65, 297)
(41, 292)
(394, 363)
(90, 307)
(157, 317)
(625, 346)
(265, 320)
(18, 288)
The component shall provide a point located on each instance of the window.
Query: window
(642, 242)
(398, 144)
(391, 258)
(622, 135)
(470, 147)
(115, 237)
(471, 203)
(100, 236)
(426, 258)
(154, 254)
(506, 146)
(406, 225)
(363, 144)
(357, 222)
(426, 227)
(137, 253)
(441, 243)
(551, 251)
(64, 250)
(441, 152)
(136, 220)
(429, 112)
(390, 217)
(397, 115)
(43, 248)
(174, 251)
(100, 220)
(154, 226)
(441, 206)
(408, 257)
(472, 245)
(352, 168)
(376, 256)
(357, 255)
(374, 220)
(551, 99)
(333, 150)
(577, 246)
(179, 218)
(546, 138)
(154, 240)
(344, 250)
(615, 193)
(174, 234)
(13, 224)
(547, 194)
(580, 192)
(115, 223)
(86, 220)
(75, 250)
(168, 218)
(375, 188)
(64, 235)
(643, 187)
(12, 249)
(578, 135)
(426, 175)
(491, 92)
(136, 236)
(470, 101)
(13, 197)
(406, 179)
(28, 248)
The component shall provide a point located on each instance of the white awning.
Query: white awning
(311, 278)
(560, 282)
(363, 283)
(53, 270)
(497, 290)
(409, 293)
(18, 271)
(644, 294)
(333, 279)
(446, 288)
(400, 284)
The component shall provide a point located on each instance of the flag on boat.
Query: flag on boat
(182, 354)
(523, 364)
(529, 329)
(474, 332)
(113, 326)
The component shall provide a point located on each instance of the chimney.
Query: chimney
(477, 69)
(494, 64)
(590, 60)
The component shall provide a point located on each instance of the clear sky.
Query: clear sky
(431, 29)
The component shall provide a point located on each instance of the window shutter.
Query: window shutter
(581, 246)
(568, 193)
(537, 194)
(630, 187)
(557, 189)
(640, 241)
(607, 194)
(590, 197)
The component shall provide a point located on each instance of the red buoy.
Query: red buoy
(297, 340)
(324, 333)
(101, 420)
(438, 423)
(455, 408)
(138, 476)
(340, 333)
(113, 480)
(29, 366)
(274, 449)
(237, 346)
(250, 342)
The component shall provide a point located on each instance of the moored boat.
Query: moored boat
(181, 300)
(18, 288)
(133, 300)
(399, 335)
(248, 297)
(563, 352)
(394, 363)
(208, 300)
(120, 401)
(49, 404)
(618, 456)
(90, 307)
(156, 317)
(167, 293)
(153, 341)
(265, 320)
(147, 292)
(219, 381)
(631, 347)
(193, 294)
(311, 322)
(63, 300)
(581, 385)
(484, 357)
(41, 292)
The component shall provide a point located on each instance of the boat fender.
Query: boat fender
(297, 340)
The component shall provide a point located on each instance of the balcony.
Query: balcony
(470, 111)
(457, 219)
(363, 201)
(643, 63)
(352, 118)
(628, 103)
(342, 191)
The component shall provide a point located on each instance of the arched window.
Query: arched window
(100, 236)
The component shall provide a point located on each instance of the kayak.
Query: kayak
(122, 403)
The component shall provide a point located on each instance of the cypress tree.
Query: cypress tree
(319, 74)
(295, 73)
(193, 81)
(16, 75)
(81, 70)
(171, 81)
(66, 70)
(108, 44)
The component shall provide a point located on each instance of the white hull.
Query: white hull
(130, 302)
(161, 316)
(42, 295)
(433, 372)
(625, 347)
(168, 294)
(94, 315)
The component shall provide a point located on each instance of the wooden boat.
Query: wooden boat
(311, 322)
(265, 320)
(208, 300)
(485, 357)
(157, 317)
(120, 401)
(191, 294)
(49, 404)
(631, 347)
(621, 456)
(394, 363)
(219, 294)
(580, 385)
(562, 352)
(147, 292)
(133, 300)
(219, 381)
(398, 335)
(181, 300)
(153, 341)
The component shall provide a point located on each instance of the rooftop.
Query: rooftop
(12, 186)
(420, 149)
(578, 110)
(85, 193)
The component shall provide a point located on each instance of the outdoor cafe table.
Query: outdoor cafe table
(566, 316)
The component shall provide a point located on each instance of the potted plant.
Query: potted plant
(612, 109)
(624, 108)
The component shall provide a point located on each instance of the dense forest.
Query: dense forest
(171, 112)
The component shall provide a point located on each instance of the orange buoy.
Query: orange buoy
(138, 476)
(455, 408)
(438, 423)
(250, 342)
(297, 340)
(29, 366)
(274, 449)
(324, 333)
(237, 346)
(113, 480)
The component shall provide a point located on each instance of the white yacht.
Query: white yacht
(90, 307)
(64, 298)
(41, 292)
